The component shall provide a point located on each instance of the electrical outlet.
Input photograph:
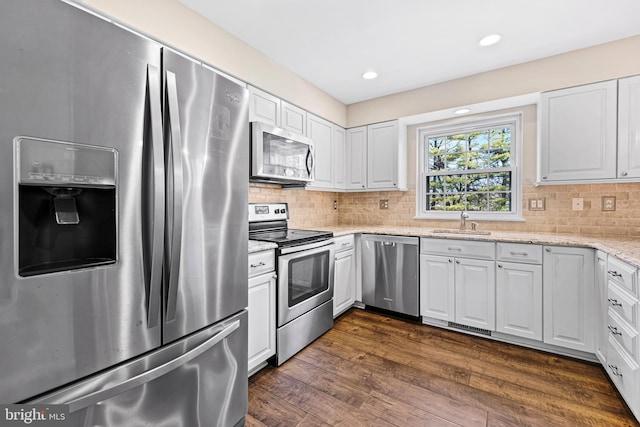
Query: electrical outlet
(384, 204)
(577, 204)
(335, 205)
(536, 204)
(608, 203)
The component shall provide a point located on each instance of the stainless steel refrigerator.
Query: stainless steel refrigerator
(123, 224)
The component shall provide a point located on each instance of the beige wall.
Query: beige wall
(607, 61)
(172, 23)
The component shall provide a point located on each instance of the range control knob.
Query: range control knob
(283, 211)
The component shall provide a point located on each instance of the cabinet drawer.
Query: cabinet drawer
(623, 274)
(624, 335)
(623, 304)
(519, 252)
(344, 243)
(261, 262)
(622, 371)
(458, 248)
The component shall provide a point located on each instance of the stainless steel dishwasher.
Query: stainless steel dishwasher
(390, 273)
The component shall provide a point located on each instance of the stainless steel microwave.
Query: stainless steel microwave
(279, 156)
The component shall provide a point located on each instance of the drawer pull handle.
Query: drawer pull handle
(615, 371)
(454, 249)
(345, 244)
(614, 273)
(519, 253)
(260, 264)
(614, 330)
(614, 302)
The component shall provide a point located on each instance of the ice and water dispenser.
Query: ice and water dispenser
(66, 206)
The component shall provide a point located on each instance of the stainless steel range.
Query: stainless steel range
(304, 264)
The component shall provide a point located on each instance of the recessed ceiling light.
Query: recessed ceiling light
(369, 75)
(490, 40)
(462, 111)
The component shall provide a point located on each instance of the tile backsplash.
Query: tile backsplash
(315, 208)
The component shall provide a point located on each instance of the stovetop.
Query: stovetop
(290, 237)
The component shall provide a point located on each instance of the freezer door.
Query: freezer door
(68, 76)
(206, 150)
(200, 381)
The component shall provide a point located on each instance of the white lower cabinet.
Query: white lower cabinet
(568, 289)
(344, 283)
(262, 311)
(601, 306)
(460, 288)
(519, 300)
(519, 290)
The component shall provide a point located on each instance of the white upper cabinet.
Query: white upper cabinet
(629, 127)
(321, 133)
(356, 158)
(578, 133)
(264, 107)
(377, 157)
(293, 119)
(382, 155)
(339, 166)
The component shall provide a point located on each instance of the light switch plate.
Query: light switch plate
(608, 203)
(536, 204)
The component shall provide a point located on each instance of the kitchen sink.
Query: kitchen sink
(454, 231)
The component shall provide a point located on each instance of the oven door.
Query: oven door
(305, 279)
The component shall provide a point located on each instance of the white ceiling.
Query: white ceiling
(413, 43)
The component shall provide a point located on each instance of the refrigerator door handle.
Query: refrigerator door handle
(174, 194)
(156, 173)
(138, 380)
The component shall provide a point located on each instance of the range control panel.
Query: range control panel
(268, 212)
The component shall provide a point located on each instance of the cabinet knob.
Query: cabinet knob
(362, 186)
(394, 184)
(614, 302)
(624, 173)
(615, 371)
(544, 177)
(499, 265)
(548, 249)
(450, 260)
(457, 262)
(614, 330)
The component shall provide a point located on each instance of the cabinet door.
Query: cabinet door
(344, 284)
(568, 292)
(263, 107)
(475, 293)
(437, 287)
(578, 133)
(601, 305)
(338, 158)
(629, 127)
(262, 319)
(519, 300)
(356, 158)
(382, 155)
(321, 132)
(293, 119)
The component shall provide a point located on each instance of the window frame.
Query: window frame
(423, 133)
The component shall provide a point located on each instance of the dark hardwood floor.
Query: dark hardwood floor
(376, 370)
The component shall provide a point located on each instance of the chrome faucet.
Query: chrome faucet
(463, 218)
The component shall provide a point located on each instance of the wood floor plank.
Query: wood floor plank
(378, 370)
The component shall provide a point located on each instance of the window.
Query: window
(470, 167)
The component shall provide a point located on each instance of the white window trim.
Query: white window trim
(460, 127)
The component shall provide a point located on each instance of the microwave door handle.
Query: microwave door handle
(154, 201)
(174, 194)
(309, 161)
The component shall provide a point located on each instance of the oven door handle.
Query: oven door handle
(292, 249)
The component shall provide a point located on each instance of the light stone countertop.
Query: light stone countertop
(257, 246)
(625, 249)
